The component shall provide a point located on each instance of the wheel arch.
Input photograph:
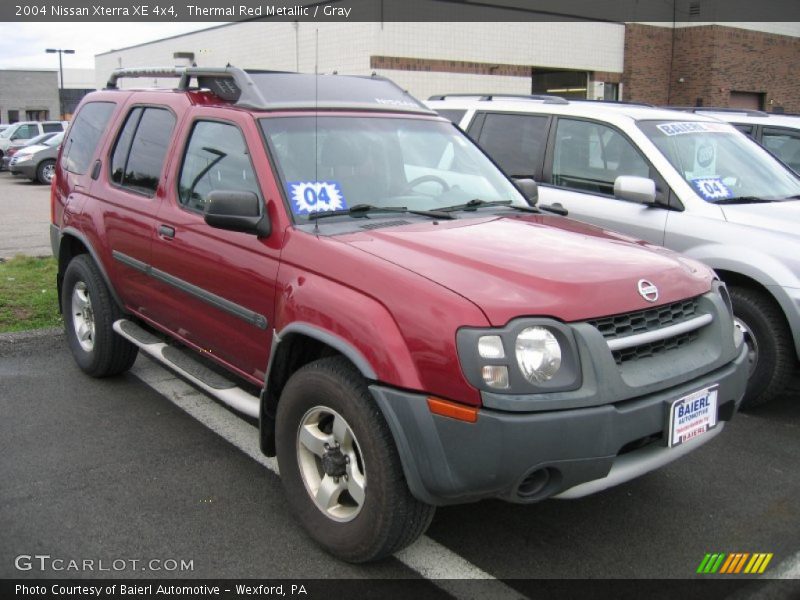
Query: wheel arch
(71, 244)
(293, 347)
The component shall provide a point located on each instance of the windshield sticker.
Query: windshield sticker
(679, 128)
(315, 196)
(711, 188)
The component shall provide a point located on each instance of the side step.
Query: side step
(185, 364)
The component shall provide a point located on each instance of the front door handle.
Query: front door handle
(165, 231)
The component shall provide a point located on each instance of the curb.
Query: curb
(14, 337)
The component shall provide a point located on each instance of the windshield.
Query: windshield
(55, 140)
(336, 163)
(721, 164)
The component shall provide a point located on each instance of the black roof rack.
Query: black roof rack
(488, 97)
(719, 109)
(280, 90)
(623, 102)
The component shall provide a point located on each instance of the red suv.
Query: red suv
(327, 255)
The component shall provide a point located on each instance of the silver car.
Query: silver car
(685, 181)
(37, 162)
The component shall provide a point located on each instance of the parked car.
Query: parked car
(18, 145)
(778, 133)
(686, 181)
(328, 256)
(37, 162)
(25, 130)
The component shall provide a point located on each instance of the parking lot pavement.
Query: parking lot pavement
(24, 217)
(145, 467)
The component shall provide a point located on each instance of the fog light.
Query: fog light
(495, 376)
(491, 346)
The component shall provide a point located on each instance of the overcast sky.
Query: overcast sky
(22, 45)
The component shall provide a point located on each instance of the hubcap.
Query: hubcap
(83, 316)
(331, 464)
(48, 172)
(752, 345)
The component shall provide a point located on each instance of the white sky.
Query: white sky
(22, 45)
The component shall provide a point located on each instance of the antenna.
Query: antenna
(316, 117)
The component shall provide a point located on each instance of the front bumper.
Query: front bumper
(527, 457)
(28, 169)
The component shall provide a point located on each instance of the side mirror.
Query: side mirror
(237, 211)
(528, 188)
(635, 189)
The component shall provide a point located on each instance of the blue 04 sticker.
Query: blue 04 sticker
(711, 188)
(315, 196)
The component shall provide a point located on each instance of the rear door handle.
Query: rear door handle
(165, 231)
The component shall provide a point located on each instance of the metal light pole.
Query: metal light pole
(60, 76)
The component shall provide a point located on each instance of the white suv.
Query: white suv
(682, 180)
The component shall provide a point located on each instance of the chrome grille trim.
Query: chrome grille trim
(656, 335)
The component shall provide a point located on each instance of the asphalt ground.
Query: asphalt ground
(118, 469)
(24, 217)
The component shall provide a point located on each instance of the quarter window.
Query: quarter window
(141, 149)
(216, 159)
(84, 135)
(784, 144)
(590, 156)
(515, 142)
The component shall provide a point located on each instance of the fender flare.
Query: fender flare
(71, 231)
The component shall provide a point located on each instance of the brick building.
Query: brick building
(737, 64)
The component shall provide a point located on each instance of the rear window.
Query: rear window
(51, 127)
(84, 135)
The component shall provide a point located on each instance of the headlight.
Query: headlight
(528, 355)
(23, 157)
(538, 354)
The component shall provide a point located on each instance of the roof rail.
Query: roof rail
(228, 83)
(623, 102)
(720, 109)
(489, 97)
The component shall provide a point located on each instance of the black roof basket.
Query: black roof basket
(280, 90)
(546, 99)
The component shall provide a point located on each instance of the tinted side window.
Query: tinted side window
(50, 127)
(138, 167)
(216, 159)
(84, 135)
(784, 144)
(590, 156)
(515, 142)
(745, 129)
(26, 132)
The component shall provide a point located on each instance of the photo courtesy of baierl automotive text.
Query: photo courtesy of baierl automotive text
(408, 325)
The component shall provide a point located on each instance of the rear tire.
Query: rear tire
(772, 357)
(327, 402)
(89, 314)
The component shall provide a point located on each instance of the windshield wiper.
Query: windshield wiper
(474, 204)
(357, 210)
(361, 210)
(745, 200)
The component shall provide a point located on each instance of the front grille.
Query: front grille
(646, 320)
(652, 319)
(655, 348)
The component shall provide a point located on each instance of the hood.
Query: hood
(31, 149)
(536, 265)
(770, 216)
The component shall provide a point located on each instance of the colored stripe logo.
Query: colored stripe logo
(734, 563)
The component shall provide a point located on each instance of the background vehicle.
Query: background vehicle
(16, 146)
(698, 187)
(328, 256)
(25, 130)
(780, 134)
(37, 162)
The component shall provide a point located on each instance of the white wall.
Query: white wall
(347, 47)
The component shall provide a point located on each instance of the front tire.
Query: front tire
(89, 314)
(46, 171)
(771, 350)
(340, 467)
